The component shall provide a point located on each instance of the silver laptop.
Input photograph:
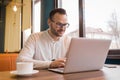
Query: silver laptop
(85, 55)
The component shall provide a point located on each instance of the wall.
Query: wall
(12, 29)
(26, 15)
(13, 25)
(11, 32)
(46, 7)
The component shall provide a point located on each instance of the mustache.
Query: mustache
(61, 30)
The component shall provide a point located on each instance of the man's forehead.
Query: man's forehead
(60, 17)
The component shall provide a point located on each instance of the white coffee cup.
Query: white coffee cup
(24, 67)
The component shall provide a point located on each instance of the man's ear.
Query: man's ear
(49, 22)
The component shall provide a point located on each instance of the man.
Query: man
(48, 49)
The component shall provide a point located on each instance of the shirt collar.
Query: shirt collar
(52, 38)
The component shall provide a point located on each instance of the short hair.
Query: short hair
(57, 10)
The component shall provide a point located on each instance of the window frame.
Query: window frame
(112, 53)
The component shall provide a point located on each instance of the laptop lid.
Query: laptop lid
(86, 54)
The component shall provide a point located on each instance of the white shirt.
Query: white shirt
(40, 49)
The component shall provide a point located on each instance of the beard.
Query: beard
(58, 33)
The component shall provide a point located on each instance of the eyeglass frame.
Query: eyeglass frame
(60, 25)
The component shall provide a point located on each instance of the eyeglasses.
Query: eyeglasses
(60, 25)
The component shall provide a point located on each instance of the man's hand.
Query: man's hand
(58, 63)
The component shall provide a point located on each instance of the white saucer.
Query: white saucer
(26, 74)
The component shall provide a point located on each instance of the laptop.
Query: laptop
(85, 55)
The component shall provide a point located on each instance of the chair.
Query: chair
(8, 61)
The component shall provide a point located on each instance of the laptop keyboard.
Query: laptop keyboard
(57, 69)
(60, 68)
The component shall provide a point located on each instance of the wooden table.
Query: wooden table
(103, 74)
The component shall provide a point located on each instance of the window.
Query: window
(102, 20)
(36, 15)
(73, 16)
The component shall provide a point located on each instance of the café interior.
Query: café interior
(19, 18)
